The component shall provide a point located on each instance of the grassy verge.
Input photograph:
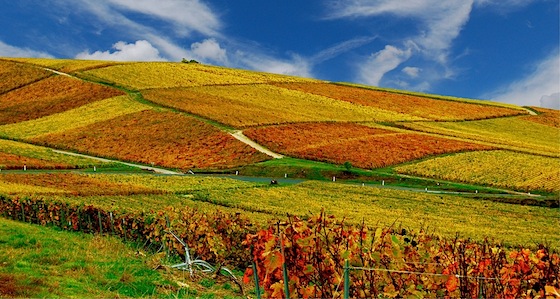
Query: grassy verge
(42, 262)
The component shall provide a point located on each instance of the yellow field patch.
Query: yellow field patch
(67, 65)
(261, 104)
(446, 214)
(495, 168)
(146, 75)
(22, 189)
(75, 118)
(513, 133)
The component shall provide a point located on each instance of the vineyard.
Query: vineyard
(311, 253)
(362, 146)
(161, 138)
(150, 75)
(510, 133)
(406, 104)
(389, 206)
(14, 75)
(251, 105)
(16, 155)
(49, 96)
(496, 168)
(546, 116)
(82, 116)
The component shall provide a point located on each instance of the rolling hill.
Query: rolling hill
(458, 166)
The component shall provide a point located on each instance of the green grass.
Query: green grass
(42, 262)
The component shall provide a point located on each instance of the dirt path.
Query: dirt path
(143, 167)
(239, 136)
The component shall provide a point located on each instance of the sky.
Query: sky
(500, 50)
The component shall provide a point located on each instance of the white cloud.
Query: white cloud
(184, 15)
(141, 50)
(295, 66)
(540, 86)
(382, 62)
(411, 71)
(439, 23)
(209, 49)
(11, 51)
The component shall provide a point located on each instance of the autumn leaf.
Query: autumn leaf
(451, 284)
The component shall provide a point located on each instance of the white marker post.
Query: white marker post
(334, 179)
(24, 167)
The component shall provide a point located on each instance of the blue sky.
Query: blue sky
(503, 50)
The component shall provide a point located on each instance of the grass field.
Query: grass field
(424, 107)
(140, 76)
(362, 146)
(495, 168)
(49, 96)
(163, 138)
(85, 115)
(514, 133)
(33, 264)
(262, 104)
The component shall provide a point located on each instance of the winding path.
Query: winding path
(239, 136)
(143, 167)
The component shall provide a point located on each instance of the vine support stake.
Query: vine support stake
(284, 269)
(100, 222)
(255, 276)
(346, 280)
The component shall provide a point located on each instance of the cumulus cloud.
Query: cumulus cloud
(209, 49)
(11, 51)
(141, 50)
(540, 87)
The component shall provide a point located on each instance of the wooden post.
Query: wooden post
(284, 270)
(100, 222)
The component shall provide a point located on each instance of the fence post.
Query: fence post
(284, 269)
(346, 280)
(100, 222)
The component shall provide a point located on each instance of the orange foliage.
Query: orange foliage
(49, 96)
(413, 105)
(14, 75)
(363, 146)
(549, 117)
(77, 184)
(11, 161)
(163, 138)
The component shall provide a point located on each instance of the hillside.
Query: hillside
(78, 136)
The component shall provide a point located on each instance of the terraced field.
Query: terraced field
(141, 76)
(428, 108)
(260, 104)
(495, 168)
(161, 138)
(362, 146)
(510, 133)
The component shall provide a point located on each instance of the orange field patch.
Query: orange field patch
(49, 96)
(549, 117)
(364, 147)
(14, 75)
(11, 161)
(76, 184)
(164, 138)
(409, 104)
